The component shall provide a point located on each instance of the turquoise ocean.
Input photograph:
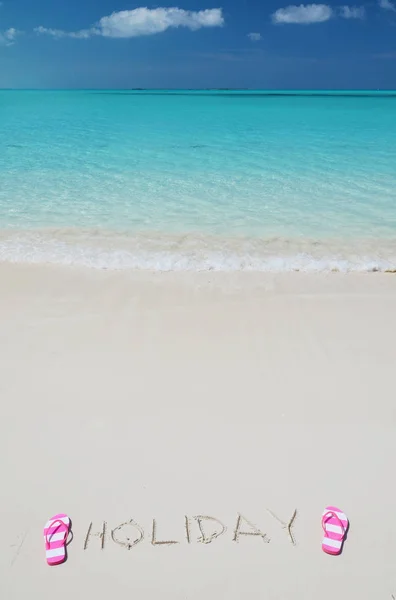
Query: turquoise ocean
(199, 180)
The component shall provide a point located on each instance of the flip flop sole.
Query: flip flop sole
(334, 538)
(55, 536)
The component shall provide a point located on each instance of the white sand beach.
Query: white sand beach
(165, 396)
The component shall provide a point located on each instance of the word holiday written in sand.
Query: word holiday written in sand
(208, 528)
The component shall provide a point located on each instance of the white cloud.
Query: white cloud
(59, 33)
(353, 12)
(303, 14)
(54, 32)
(146, 21)
(143, 21)
(387, 5)
(254, 37)
(11, 34)
(7, 38)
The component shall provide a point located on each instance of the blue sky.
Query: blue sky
(197, 43)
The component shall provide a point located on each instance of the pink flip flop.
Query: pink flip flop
(335, 526)
(56, 531)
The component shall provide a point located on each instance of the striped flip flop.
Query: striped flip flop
(335, 526)
(56, 532)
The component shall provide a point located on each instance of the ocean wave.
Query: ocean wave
(156, 252)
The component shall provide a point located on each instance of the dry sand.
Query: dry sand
(137, 396)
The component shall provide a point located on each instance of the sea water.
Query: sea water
(199, 180)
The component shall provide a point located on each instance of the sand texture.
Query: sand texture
(194, 427)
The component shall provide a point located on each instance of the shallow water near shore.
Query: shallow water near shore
(199, 180)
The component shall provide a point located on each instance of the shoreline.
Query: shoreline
(195, 252)
(216, 282)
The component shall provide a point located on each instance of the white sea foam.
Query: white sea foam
(153, 252)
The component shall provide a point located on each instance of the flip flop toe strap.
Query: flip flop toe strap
(59, 537)
(338, 530)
